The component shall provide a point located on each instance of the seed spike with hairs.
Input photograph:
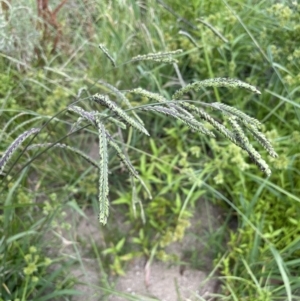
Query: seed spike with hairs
(233, 111)
(103, 173)
(90, 116)
(258, 160)
(123, 158)
(157, 97)
(151, 95)
(117, 122)
(105, 101)
(193, 124)
(123, 98)
(183, 111)
(163, 57)
(235, 137)
(132, 171)
(105, 51)
(64, 146)
(243, 140)
(83, 113)
(215, 82)
(205, 116)
(14, 145)
(80, 91)
(76, 124)
(238, 132)
(146, 188)
(261, 138)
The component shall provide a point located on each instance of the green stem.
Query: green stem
(211, 74)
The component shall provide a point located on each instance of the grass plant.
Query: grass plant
(256, 42)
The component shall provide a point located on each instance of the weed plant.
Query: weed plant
(261, 260)
(176, 108)
(253, 52)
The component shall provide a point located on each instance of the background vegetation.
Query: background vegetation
(47, 55)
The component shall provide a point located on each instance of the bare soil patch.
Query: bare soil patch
(158, 280)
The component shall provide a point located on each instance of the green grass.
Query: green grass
(260, 260)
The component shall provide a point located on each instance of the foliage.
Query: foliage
(26, 272)
(256, 41)
(182, 111)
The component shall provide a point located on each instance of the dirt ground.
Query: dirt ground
(156, 280)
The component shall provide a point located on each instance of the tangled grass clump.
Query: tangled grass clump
(195, 117)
